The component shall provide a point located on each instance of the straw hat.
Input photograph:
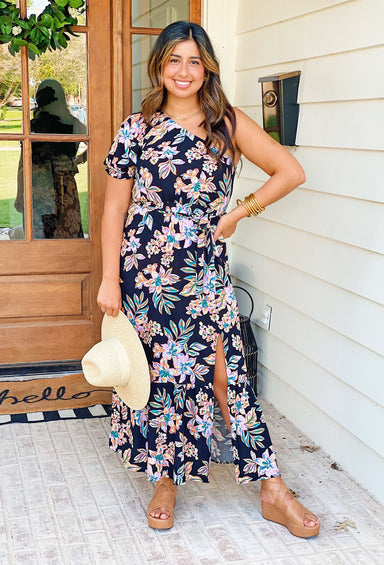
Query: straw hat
(119, 361)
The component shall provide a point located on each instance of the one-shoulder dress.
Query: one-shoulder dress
(177, 293)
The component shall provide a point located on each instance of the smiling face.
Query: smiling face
(184, 72)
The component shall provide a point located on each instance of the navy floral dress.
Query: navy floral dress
(177, 293)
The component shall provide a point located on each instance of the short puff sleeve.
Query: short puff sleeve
(126, 148)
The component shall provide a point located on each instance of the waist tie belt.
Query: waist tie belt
(206, 223)
(208, 261)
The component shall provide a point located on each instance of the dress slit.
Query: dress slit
(223, 401)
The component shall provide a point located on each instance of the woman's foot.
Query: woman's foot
(160, 509)
(280, 506)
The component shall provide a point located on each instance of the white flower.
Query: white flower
(16, 30)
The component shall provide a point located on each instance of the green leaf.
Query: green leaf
(61, 3)
(61, 17)
(58, 24)
(3, 5)
(19, 42)
(14, 42)
(47, 20)
(35, 35)
(76, 3)
(23, 24)
(33, 48)
(44, 31)
(62, 41)
(5, 19)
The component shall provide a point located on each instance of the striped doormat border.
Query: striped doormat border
(97, 411)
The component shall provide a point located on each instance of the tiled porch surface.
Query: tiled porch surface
(66, 499)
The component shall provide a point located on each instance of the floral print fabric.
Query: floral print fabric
(177, 292)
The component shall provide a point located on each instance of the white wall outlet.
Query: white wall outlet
(266, 317)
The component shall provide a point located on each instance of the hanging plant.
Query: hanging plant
(49, 30)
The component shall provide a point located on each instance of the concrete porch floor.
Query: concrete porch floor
(65, 498)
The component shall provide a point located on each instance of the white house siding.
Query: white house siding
(317, 256)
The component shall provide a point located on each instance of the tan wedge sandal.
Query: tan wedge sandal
(282, 512)
(164, 497)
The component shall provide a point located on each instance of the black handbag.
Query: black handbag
(249, 344)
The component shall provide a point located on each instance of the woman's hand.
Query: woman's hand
(227, 224)
(109, 297)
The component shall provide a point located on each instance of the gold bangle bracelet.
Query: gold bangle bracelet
(251, 198)
(240, 202)
(251, 204)
(261, 208)
(249, 208)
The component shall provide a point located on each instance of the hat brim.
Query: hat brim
(136, 393)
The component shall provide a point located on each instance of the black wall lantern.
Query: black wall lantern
(280, 107)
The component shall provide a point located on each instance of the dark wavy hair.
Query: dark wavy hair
(214, 103)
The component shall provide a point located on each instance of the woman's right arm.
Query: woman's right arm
(117, 199)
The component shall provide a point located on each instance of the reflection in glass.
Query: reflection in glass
(69, 68)
(38, 6)
(158, 13)
(81, 18)
(10, 92)
(141, 48)
(59, 186)
(11, 220)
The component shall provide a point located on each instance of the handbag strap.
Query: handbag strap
(250, 297)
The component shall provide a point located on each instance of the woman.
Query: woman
(171, 169)
(56, 205)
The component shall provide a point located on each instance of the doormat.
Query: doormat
(51, 394)
(97, 411)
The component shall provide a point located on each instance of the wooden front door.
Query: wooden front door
(49, 274)
(52, 185)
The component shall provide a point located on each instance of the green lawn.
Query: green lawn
(9, 216)
(12, 121)
(9, 161)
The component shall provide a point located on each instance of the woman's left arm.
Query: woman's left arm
(284, 170)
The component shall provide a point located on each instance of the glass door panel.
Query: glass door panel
(11, 191)
(59, 192)
(141, 48)
(58, 87)
(158, 13)
(11, 112)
